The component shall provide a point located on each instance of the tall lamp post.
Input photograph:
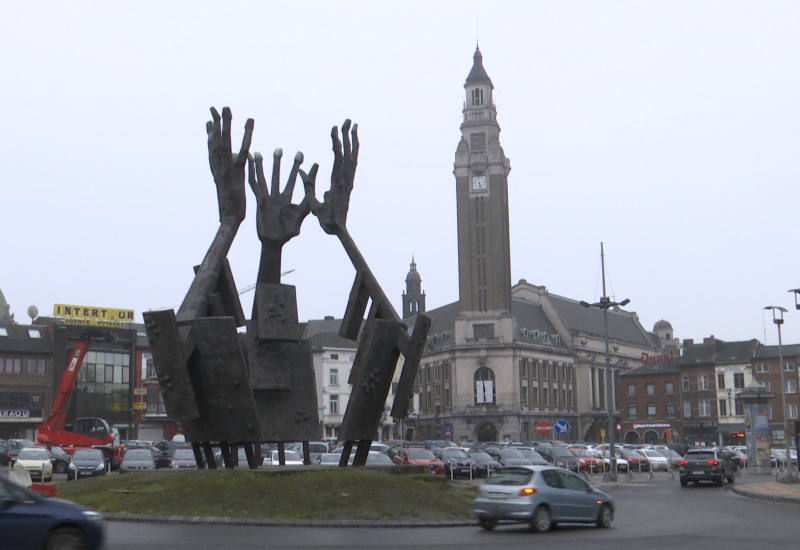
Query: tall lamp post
(777, 318)
(605, 303)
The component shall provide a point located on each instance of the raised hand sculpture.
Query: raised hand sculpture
(384, 336)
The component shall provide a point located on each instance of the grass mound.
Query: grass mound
(325, 494)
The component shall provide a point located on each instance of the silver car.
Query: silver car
(542, 496)
(137, 459)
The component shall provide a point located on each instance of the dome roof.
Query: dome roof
(662, 325)
(413, 274)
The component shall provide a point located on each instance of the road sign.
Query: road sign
(138, 406)
(543, 427)
(561, 427)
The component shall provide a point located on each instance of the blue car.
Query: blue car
(28, 520)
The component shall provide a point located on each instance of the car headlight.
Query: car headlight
(100, 467)
(72, 467)
(92, 516)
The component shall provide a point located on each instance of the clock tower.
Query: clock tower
(481, 170)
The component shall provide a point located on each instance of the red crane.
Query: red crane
(85, 432)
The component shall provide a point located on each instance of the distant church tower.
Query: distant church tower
(413, 297)
(481, 170)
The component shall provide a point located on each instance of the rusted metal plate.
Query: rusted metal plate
(411, 349)
(220, 383)
(291, 415)
(377, 356)
(276, 311)
(356, 306)
(169, 359)
(225, 301)
(269, 362)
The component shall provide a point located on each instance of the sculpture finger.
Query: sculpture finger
(226, 128)
(346, 138)
(276, 172)
(289, 190)
(355, 144)
(309, 184)
(255, 175)
(337, 148)
(244, 150)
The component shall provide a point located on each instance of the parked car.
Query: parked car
(535, 458)
(87, 463)
(183, 458)
(604, 456)
(332, 459)
(291, 458)
(672, 456)
(137, 459)
(560, 456)
(706, 465)
(456, 462)
(166, 449)
(420, 457)
(315, 448)
(542, 496)
(36, 461)
(657, 460)
(5, 454)
(587, 460)
(485, 464)
(32, 521)
(509, 456)
(14, 446)
(735, 457)
(637, 462)
(61, 459)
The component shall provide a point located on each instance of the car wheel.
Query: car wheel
(605, 517)
(486, 523)
(732, 477)
(542, 519)
(61, 467)
(721, 480)
(684, 483)
(66, 538)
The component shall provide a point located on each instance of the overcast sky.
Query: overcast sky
(669, 131)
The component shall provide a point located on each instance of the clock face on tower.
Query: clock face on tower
(478, 183)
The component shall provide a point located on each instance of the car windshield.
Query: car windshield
(88, 454)
(702, 455)
(562, 452)
(511, 453)
(454, 453)
(33, 454)
(183, 454)
(138, 454)
(420, 454)
(582, 453)
(480, 455)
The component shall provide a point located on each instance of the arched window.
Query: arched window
(484, 386)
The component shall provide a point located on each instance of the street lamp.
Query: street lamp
(605, 303)
(777, 318)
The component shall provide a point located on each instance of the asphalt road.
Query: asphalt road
(650, 514)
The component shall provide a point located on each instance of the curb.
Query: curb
(764, 496)
(251, 522)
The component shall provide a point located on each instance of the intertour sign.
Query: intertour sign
(94, 316)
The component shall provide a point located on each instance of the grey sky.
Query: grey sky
(667, 130)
